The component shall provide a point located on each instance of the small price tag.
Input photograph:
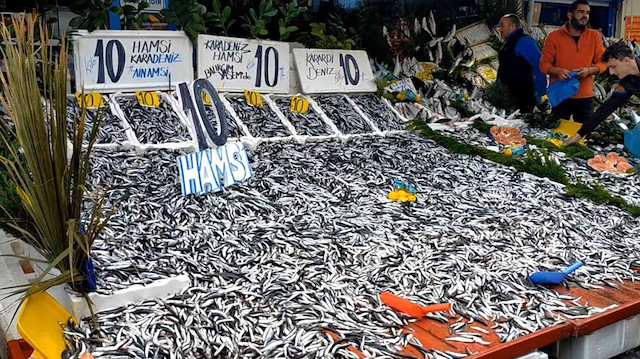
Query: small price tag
(91, 100)
(253, 98)
(299, 104)
(148, 98)
(206, 99)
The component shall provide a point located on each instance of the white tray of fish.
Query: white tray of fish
(164, 126)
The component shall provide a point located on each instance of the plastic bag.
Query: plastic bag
(632, 141)
(561, 90)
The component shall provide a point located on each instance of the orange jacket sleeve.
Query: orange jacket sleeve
(548, 55)
(597, 55)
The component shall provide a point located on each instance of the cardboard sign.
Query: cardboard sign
(299, 105)
(148, 98)
(337, 71)
(235, 64)
(91, 100)
(111, 61)
(211, 170)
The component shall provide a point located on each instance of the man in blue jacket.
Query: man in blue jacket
(519, 59)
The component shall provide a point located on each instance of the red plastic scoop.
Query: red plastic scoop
(410, 308)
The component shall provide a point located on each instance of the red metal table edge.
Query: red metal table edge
(589, 325)
(571, 328)
(526, 344)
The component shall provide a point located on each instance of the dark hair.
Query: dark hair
(515, 20)
(574, 5)
(618, 51)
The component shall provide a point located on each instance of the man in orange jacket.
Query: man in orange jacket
(574, 47)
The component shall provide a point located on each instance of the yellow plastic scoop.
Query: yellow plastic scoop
(38, 324)
(568, 128)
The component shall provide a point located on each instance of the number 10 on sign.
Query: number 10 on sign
(299, 104)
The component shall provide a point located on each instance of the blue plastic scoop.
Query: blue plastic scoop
(553, 277)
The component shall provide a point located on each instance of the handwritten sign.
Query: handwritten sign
(235, 64)
(148, 98)
(91, 100)
(323, 71)
(299, 104)
(401, 85)
(110, 61)
(253, 98)
(212, 169)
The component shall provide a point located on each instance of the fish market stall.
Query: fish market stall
(287, 233)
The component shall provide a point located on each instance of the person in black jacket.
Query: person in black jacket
(519, 70)
(621, 62)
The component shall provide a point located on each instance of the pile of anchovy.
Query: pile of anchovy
(308, 124)
(624, 186)
(110, 130)
(232, 126)
(153, 125)
(343, 115)
(261, 120)
(305, 247)
(379, 113)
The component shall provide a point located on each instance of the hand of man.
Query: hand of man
(563, 74)
(571, 140)
(583, 72)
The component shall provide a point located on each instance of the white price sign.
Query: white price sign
(234, 64)
(127, 61)
(323, 71)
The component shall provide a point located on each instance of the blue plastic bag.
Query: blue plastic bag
(561, 90)
(632, 141)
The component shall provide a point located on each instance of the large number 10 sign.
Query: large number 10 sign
(209, 170)
(192, 103)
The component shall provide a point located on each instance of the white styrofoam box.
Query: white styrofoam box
(604, 343)
(534, 355)
(162, 288)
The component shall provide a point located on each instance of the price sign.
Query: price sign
(206, 100)
(234, 64)
(91, 100)
(299, 104)
(209, 170)
(323, 71)
(127, 61)
(253, 98)
(148, 98)
(426, 73)
(487, 73)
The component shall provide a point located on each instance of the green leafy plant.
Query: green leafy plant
(221, 17)
(256, 23)
(134, 16)
(49, 180)
(542, 165)
(326, 41)
(289, 12)
(493, 10)
(188, 15)
(92, 14)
